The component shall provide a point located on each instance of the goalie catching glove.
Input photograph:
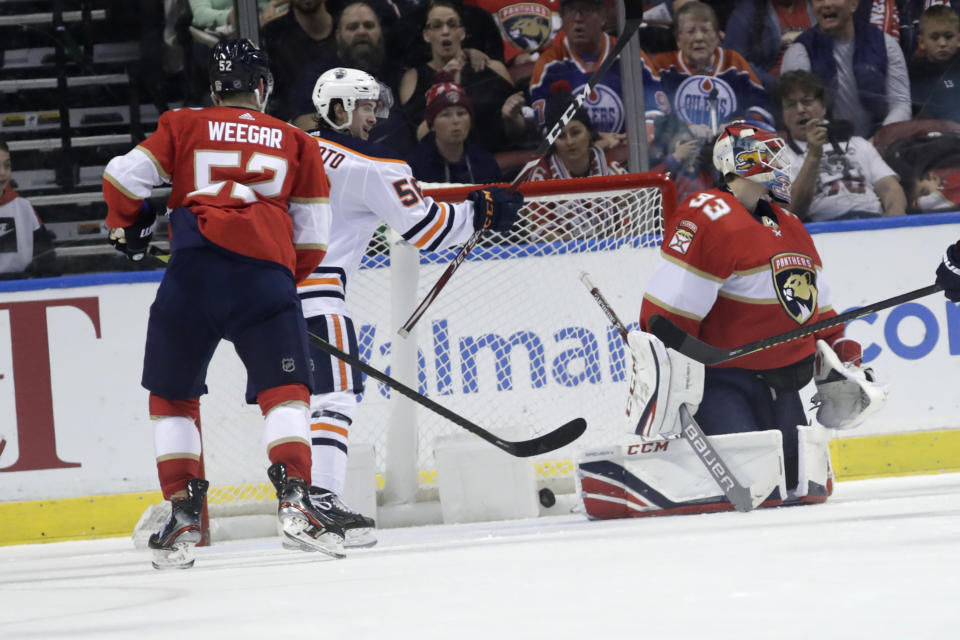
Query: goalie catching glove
(134, 240)
(495, 208)
(846, 393)
(662, 380)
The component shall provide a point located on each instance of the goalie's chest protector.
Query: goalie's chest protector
(730, 277)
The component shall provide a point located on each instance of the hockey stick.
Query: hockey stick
(555, 439)
(738, 495)
(633, 21)
(681, 341)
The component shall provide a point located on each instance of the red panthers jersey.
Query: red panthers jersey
(729, 278)
(255, 183)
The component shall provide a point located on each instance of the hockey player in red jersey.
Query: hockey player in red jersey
(250, 216)
(736, 267)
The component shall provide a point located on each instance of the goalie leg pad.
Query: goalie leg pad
(661, 380)
(816, 470)
(664, 477)
(846, 394)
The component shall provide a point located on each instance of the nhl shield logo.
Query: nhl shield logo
(288, 365)
(795, 279)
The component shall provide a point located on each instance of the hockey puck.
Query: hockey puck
(547, 498)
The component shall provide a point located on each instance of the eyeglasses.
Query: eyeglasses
(796, 104)
(437, 25)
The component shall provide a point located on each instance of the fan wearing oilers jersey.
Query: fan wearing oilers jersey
(737, 267)
(575, 56)
(368, 184)
(706, 84)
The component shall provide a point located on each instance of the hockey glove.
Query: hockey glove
(134, 240)
(846, 394)
(495, 208)
(948, 273)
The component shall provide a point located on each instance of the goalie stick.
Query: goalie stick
(555, 439)
(742, 498)
(634, 18)
(679, 340)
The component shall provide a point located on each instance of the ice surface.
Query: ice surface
(879, 560)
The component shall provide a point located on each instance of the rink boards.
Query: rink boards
(78, 437)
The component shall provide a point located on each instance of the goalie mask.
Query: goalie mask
(754, 153)
(349, 86)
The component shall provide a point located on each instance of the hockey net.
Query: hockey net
(513, 343)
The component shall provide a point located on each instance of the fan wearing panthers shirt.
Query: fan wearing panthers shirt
(368, 185)
(574, 57)
(736, 267)
(701, 68)
(250, 217)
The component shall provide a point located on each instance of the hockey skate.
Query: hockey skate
(358, 529)
(303, 524)
(173, 544)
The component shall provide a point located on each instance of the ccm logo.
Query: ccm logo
(646, 447)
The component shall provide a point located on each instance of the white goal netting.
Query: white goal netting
(514, 343)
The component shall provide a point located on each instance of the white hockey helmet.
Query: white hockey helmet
(754, 152)
(348, 86)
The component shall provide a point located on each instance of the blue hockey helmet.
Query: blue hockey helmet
(237, 65)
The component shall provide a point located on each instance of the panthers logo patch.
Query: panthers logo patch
(683, 236)
(795, 279)
(526, 25)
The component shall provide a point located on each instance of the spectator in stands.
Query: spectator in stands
(928, 194)
(935, 70)
(488, 87)
(360, 45)
(482, 36)
(910, 12)
(863, 68)
(575, 56)
(689, 161)
(527, 28)
(218, 16)
(832, 179)
(26, 246)
(575, 153)
(701, 68)
(761, 30)
(446, 154)
(294, 42)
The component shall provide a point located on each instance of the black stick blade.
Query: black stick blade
(557, 438)
(673, 337)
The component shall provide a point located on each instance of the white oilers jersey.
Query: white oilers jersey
(368, 185)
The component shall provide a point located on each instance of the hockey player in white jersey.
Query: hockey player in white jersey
(369, 184)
